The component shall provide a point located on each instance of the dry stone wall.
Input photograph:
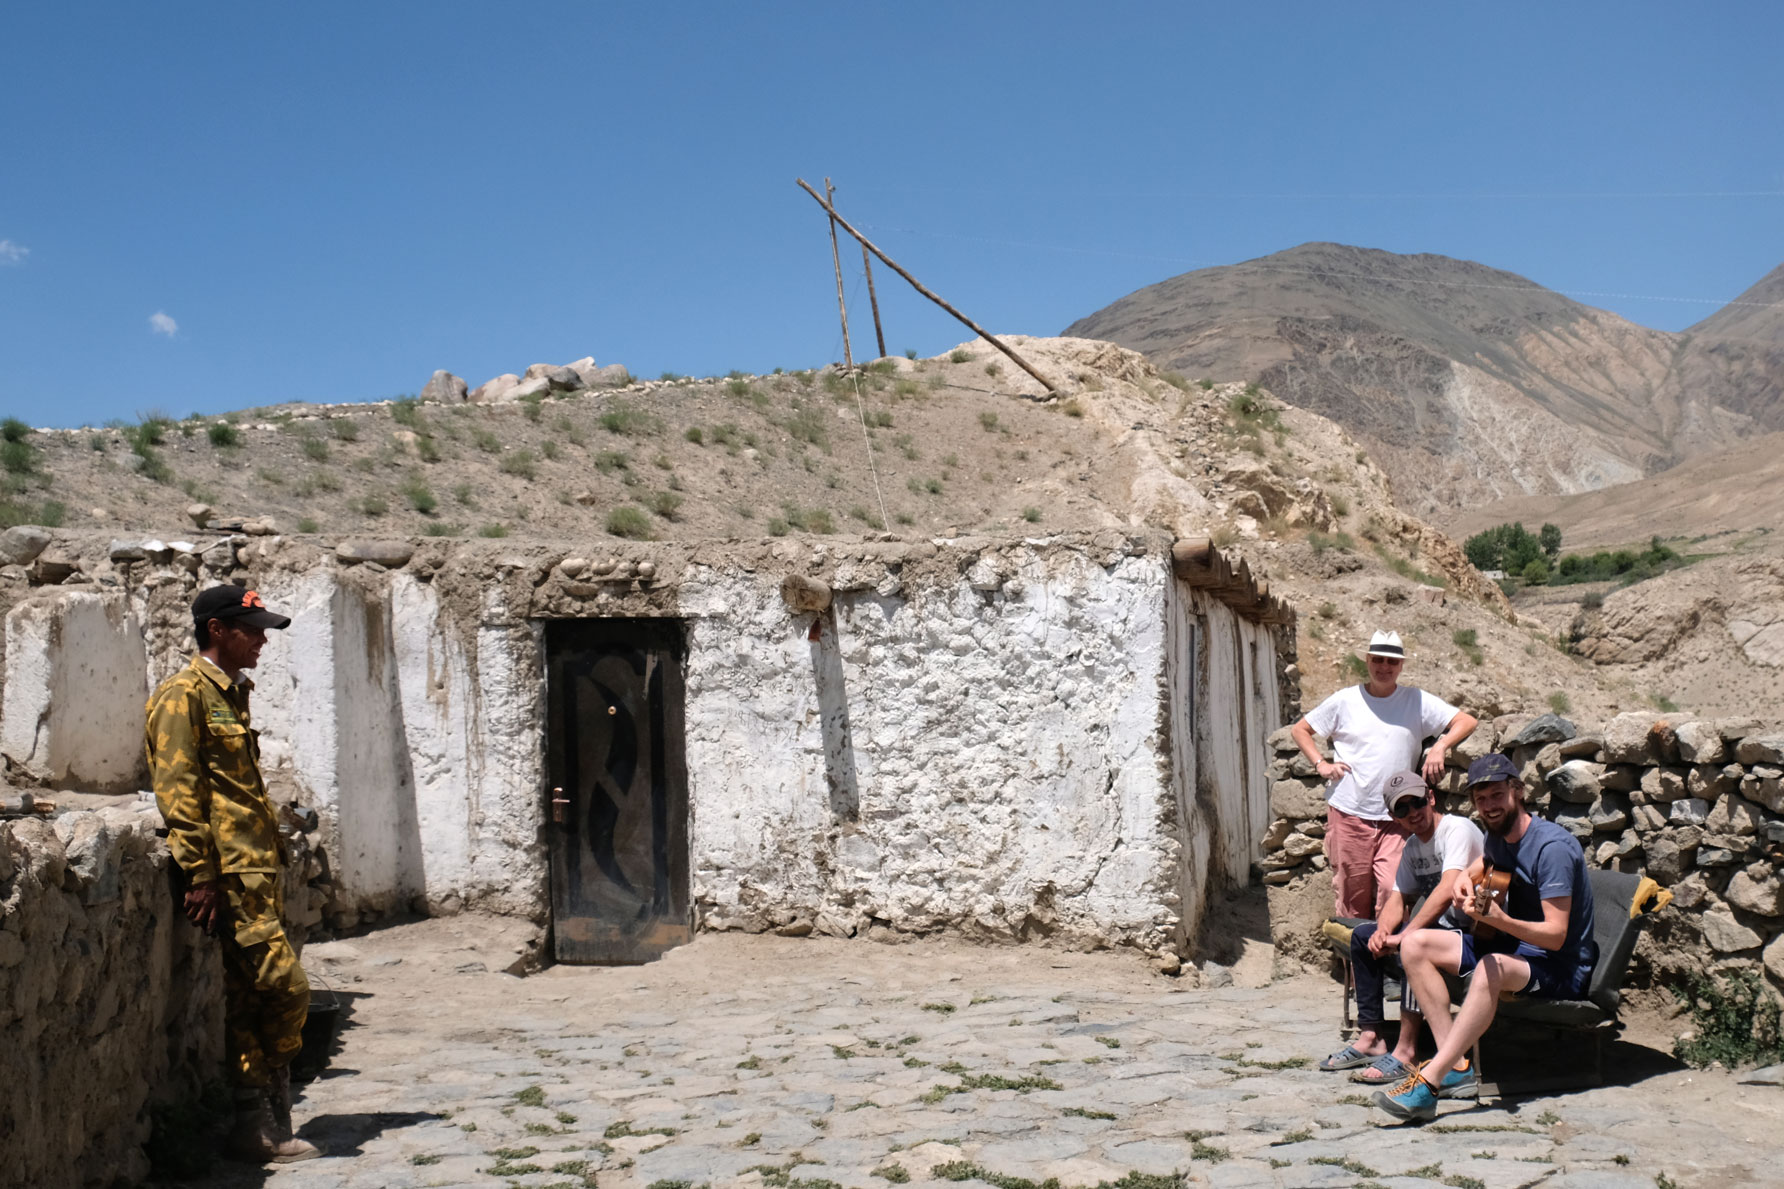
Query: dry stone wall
(1696, 804)
(110, 1002)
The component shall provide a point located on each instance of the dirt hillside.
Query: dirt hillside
(960, 443)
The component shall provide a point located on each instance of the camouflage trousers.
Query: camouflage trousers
(266, 997)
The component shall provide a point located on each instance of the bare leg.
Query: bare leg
(1495, 975)
(1407, 1047)
(1426, 955)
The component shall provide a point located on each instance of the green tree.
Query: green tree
(1535, 572)
(1550, 537)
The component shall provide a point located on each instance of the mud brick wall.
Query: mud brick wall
(1696, 804)
(110, 1002)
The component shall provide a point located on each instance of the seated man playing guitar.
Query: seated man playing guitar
(1439, 850)
(1543, 945)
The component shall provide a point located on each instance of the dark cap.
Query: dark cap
(1402, 785)
(235, 604)
(1490, 768)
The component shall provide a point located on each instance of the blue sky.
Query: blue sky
(328, 201)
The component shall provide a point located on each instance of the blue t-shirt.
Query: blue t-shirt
(1548, 864)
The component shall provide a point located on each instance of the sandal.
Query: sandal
(1385, 1070)
(1349, 1057)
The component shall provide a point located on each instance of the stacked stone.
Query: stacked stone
(109, 1002)
(1696, 804)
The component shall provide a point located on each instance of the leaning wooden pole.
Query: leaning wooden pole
(892, 264)
(873, 299)
(848, 356)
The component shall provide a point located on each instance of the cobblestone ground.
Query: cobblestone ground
(811, 1063)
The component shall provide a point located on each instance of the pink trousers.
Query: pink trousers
(1364, 855)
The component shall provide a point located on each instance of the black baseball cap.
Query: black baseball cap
(235, 604)
(1492, 767)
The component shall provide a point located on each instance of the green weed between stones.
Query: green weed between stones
(966, 1170)
(991, 1081)
(624, 1128)
(1349, 1164)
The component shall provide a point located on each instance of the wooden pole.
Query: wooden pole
(873, 300)
(892, 264)
(848, 355)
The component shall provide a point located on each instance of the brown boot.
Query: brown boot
(258, 1139)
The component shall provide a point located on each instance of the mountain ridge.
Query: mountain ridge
(1471, 384)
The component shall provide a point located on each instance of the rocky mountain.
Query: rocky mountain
(1467, 383)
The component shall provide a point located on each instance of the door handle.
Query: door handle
(560, 807)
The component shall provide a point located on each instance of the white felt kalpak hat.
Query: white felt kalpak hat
(1386, 644)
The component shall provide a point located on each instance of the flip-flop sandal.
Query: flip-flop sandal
(1349, 1057)
(1385, 1070)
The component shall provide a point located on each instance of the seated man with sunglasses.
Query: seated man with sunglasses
(1438, 851)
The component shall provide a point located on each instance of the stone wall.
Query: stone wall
(110, 1001)
(1698, 805)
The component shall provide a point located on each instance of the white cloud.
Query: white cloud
(11, 253)
(160, 323)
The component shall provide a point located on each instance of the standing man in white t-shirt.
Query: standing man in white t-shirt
(1437, 855)
(1375, 730)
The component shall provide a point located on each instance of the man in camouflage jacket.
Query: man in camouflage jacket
(223, 831)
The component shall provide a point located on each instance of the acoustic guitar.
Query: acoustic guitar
(1492, 889)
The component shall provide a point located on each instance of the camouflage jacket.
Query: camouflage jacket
(204, 762)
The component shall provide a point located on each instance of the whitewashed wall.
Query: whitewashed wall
(1024, 741)
(71, 709)
(1008, 757)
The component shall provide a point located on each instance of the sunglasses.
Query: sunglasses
(1406, 807)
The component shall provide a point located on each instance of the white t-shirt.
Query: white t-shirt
(1454, 844)
(1377, 737)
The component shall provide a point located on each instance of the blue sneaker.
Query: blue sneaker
(1460, 1082)
(1413, 1098)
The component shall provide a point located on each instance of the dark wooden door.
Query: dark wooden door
(614, 746)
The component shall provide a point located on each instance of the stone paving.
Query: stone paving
(814, 1063)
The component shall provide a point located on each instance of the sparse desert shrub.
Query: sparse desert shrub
(666, 504)
(1031, 514)
(988, 421)
(1328, 610)
(373, 505)
(315, 449)
(1352, 668)
(420, 497)
(695, 435)
(550, 449)
(959, 355)
(493, 530)
(532, 407)
(406, 411)
(520, 463)
(629, 521)
(879, 418)
(486, 441)
(608, 461)
(463, 494)
(809, 425)
(1175, 380)
(436, 528)
(345, 429)
(1560, 703)
(627, 420)
(777, 527)
(1205, 385)
(308, 524)
(1736, 1022)
(223, 435)
(1592, 601)
(1072, 408)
